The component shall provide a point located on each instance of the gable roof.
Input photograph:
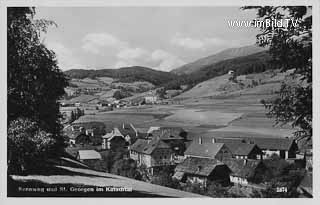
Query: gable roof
(74, 134)
(198, 166)
(114, 133)
(261, 142)
(148, 146)
(242, 149)
(244, 168)
(88, 154)
(127, 129)
(208, 150)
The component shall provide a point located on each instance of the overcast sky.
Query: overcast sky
(161, 38)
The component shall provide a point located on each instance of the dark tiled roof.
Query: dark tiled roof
(147, 147)
(127, 130)
(243, 149)
(169, 133)
(198, 166)
(244, 168)
(204, 150)
(263, 143)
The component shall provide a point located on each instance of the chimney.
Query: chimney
(245, 161)
(200, 140)
(213, 140)
(122, 125)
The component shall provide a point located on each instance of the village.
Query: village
(240, 163)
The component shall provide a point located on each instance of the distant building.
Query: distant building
(151, 153)
(208, 150)
(202, 171)
(230, 72)
(283, 147)
(245, 171)
(151, 99)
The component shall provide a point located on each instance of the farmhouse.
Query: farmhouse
(208, 150)
(202, 171)
(283, 147)
(245, 171)
(114, 139)
(76, 135)
(244, 151)
(152, 153)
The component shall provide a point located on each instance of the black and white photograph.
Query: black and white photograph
(159, 101)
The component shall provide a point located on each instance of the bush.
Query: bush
(27, 144)
(126, 168)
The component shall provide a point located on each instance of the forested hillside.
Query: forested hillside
(126, 75)
(255, 63)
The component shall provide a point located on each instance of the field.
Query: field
(204, 111)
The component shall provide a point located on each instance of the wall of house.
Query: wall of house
(269, 153)
(134, 155)
(141, 159)
(194, 179)
(238, 180)
(162, 157)
(145, 160)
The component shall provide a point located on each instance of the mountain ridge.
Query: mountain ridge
(215, 58)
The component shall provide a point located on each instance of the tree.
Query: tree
(291, 49)
(35, 83)
(164, 178)
(34, 80)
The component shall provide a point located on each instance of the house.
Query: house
(202, 171)
(76, 135)
(245, 171)
(114, 139)
(137, 101)
(150, 99)
(208, 150)
(175, 136)
(283, 147)
(244, 151)
(129, 132)
(95, 135)
(151, 153)
(168, 133)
